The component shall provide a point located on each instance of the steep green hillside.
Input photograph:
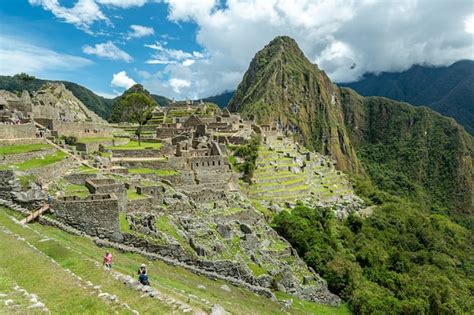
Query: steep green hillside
(282, 88)
(400, 260)
(413, 152)
(222, 100)
(448, 90)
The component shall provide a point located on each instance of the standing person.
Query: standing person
(108, 261)
(50, 200)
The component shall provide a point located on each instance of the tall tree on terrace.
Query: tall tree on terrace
(137, 108)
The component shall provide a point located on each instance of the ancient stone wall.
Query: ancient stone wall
(82, 129)
(17, 131)
(7, 142)
(108, 186)
(208, 162)
(145, 153)
(96, 215)
(156, 192)
(94, 146)
(53, 171)
(8, 183)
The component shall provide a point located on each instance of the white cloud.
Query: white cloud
(177, 84)
(469, 24)
(82, 14)
(19, 55)
(123, 3)
(345, 38)
(140, 31)
(107, 50)
(188, 62)
(122, 80)
(165, 55)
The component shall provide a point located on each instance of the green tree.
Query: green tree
(137, 108)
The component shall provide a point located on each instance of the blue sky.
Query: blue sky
(197, 48)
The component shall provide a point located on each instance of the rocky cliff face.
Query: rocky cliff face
(282, 88)
(54, 101)
(407, 151)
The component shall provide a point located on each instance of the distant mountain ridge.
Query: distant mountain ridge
(447, 90)
(100, 105)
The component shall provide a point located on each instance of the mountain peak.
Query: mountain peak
(284, 89)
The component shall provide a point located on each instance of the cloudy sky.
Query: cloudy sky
(197, 48)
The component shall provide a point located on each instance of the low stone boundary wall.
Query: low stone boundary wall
(8, 142)
(145, 153)
(82, 129)
(17, 131)
(53, 171)
(94, 146)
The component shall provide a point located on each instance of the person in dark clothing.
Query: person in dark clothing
(143, 278)
(142, 268)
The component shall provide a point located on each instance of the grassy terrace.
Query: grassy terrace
(151, 171)
(76, 190)
(88, 170)
(24, 148)
(94, 140)
(133, 195)
(133, 145)
(78, 254)
(38, 161)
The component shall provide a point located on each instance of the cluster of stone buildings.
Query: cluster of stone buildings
(54, 108)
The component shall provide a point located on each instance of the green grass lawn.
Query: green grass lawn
(78, 254)
(132, 195)
(24, 148)
(88, 170)
(76, 190)
(94, 140)
(37, 274)
(39, 162)
(133, 145)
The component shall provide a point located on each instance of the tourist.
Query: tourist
(143, 278)
(142, 269)
(108, 261)
(50, 200)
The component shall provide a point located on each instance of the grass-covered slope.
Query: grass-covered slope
(282, 88)
(60, 291)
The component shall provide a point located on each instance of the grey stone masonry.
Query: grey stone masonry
(96, 215)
